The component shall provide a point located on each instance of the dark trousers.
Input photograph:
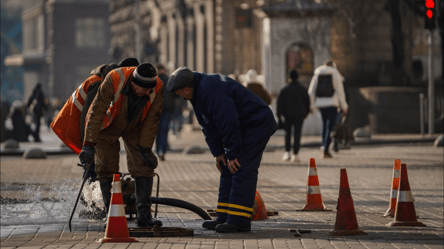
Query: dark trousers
(296, 124)
(237, 191)
(328, 121)
(162, 133)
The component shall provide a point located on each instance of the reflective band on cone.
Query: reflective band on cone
(117, 228)
(314, 198)
(394, 193)
(405, 214)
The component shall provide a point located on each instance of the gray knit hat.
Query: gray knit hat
(180, 78)
(145, 75)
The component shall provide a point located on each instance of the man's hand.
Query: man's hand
(220, 158)
(87, 154)
(233, 165)
(148, 157)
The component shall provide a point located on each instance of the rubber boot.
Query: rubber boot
(143, 187)
(105, 188)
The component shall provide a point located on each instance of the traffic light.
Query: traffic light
(430, 14)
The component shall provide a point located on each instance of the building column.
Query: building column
(191, 36)
(200, 43)
(209, 17)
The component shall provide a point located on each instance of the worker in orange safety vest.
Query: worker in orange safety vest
(128, 105)
(69, 125)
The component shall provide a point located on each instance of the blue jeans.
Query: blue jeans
(328, 121)
(162, 133)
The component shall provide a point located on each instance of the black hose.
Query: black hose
(181, 204)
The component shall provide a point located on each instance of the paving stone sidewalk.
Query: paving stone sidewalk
(194, 178)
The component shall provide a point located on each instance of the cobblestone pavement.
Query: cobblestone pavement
(194, 178)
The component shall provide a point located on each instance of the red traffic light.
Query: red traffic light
(429, 14)
(430, 4)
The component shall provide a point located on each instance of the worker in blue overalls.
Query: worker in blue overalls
(237, 125)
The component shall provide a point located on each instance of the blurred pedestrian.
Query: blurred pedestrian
(4, 133)
(293, 105)
(237, 126)
(326, 93)
(168, 108)
(21, 130)
(253, 84)
(178, 119)
(36, 104)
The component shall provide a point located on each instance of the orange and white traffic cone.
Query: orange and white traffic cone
(314, 197)
(405, 214)
(395, 186)
(117, 228)
(346, 222)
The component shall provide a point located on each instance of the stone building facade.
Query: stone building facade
(63, 40)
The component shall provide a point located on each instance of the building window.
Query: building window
(300, 58)
(90, 32)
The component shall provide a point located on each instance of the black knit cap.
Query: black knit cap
(145, 76)
(180, 78)
(128, 62)
(294, 74)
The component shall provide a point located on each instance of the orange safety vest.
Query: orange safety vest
(67, 123)
(259, 210)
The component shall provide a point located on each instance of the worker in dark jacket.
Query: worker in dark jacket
(293, 105)
(237, 125)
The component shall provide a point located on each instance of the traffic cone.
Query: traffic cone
(314, 198)
(117, 228)
(405, 214)
(346, 222)
(395, 186)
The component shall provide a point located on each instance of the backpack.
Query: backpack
(325, 86)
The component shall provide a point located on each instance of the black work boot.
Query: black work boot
(105, 188)
(143, 187)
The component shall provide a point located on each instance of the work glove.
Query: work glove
(87, 154)
(148, 157)
(91, 174)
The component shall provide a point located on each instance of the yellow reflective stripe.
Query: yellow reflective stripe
(239, 214)
(222, 210)
(223, 204)
(240, 207)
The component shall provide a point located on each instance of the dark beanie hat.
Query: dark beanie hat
(294, 74)
(145, 76)
(180, 78)
(128, 62)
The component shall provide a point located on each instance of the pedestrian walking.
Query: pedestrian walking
(36, 104)
(128, 104)
(326, 93)
(168, 108)
(253, 84)
(293, 105)
(237, 125)
(21, 130)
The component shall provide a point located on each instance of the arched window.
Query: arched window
(300, 57)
